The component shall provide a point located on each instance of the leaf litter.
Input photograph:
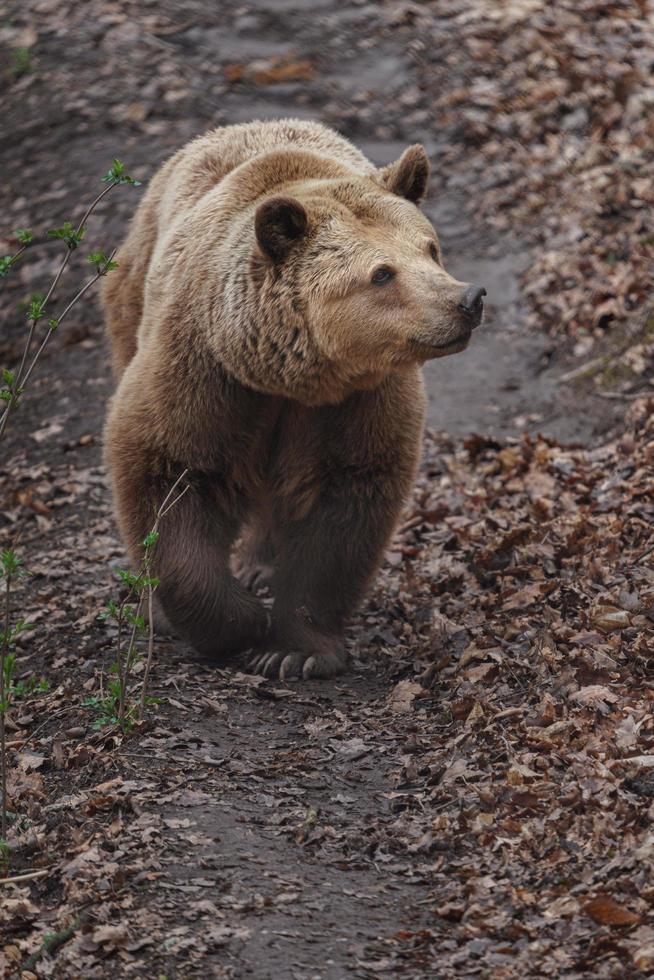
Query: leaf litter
(476, 798)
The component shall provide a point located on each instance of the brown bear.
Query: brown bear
(276, 298)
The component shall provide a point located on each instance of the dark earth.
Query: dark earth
(264, 816)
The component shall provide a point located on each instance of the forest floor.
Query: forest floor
(475, 798)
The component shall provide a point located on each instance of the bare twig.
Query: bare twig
(163, 510)
(3, 706)
(144, 586)
(148, 659)
(28, 876)
(125, 668)
(644, 554)
(51, 330)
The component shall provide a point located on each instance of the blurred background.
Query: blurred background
(538, 119)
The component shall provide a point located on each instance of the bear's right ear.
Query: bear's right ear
(278, 225)
(409, 176)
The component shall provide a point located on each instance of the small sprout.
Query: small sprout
(53, 322)
(71, 236)
(21, 626)
(129, 578)
(24, 236)
(117, 175)
(20, 62)
(35, 309)
(5, 264)
(150, 539)
(9, 393)
(9, 563)
(102, 264)
(134, 620)
(111, 612)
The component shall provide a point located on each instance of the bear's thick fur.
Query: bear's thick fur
(276, 297)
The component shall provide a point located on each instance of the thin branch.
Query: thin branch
(148, 660)
(162, 511)
(129, 657)
(51, 330)
(175, 501)
(3, 706)
(28, 876)
(22, 378)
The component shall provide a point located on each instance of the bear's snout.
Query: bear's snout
(471, 304)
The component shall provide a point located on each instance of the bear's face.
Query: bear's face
(367, 268)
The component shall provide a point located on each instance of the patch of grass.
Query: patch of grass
(20, 62)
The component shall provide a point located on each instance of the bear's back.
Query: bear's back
(204, 162)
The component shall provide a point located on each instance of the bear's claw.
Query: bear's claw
(296, 666)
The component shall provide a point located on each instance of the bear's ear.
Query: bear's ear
(278, 225)
(408, 177)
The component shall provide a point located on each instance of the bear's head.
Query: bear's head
(343, 281)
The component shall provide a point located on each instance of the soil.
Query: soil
(136, 81)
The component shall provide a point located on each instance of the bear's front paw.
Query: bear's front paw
(292, 666)
(253, 575)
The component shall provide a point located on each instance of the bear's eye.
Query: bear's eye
(433, 251)
(381, 275)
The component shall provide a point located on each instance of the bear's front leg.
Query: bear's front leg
(325, 562)
(339, 480)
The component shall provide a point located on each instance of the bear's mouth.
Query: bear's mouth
(428, 349)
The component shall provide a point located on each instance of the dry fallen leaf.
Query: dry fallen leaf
(609, 618)
(594, 694)
(403, 695)
(607, 912)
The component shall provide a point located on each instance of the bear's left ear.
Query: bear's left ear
(408, 177)
(279, 223)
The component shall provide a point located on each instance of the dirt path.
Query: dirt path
(273, 825)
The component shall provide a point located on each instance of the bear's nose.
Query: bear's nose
(471, 302)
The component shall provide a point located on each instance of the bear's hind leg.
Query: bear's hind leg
(199, 596)
(198, 593)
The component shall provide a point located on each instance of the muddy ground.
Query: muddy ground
(253, 829)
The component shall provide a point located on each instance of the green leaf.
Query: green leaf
(53, 323)
(21, 626)
(35, 309)
(19, 62)
(150, 539)
(111, 612)
(117, 175)
(24, 235)
(9, 563)
(135, 620)
(71, 236)
(102, 263)
(5, 264)
(129, 578)
(10, 665)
